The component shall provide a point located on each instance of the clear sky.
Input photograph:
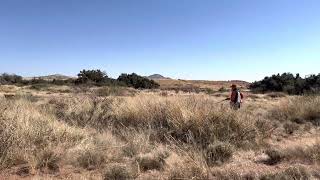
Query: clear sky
(190, 39)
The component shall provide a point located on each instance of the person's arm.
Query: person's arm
(230, 97)
(242, 96)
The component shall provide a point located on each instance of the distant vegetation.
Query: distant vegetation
(85, 77)
(286, 82)
(289, 83)
(10, 79)
(136, 81)
(96, 77)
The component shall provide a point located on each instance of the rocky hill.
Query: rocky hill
(157, 77)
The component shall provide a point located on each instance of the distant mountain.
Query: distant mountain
(51, 77)
(157, 77)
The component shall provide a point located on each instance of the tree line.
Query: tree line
(85, 77)
(288, 83)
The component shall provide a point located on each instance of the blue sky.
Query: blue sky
(190, 39)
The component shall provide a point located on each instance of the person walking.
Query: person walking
(235, 98)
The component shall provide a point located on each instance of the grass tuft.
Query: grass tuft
(47, 159)
(219, 153)
(291, 173)
(117, 172)
(275, 157)
(153, 161)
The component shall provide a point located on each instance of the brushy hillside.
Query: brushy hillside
(157, 135)
(86, 78)
(51, 77)
(198, 85)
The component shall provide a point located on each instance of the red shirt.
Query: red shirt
(234, 96)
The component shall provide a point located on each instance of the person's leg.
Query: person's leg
(239, 105)
(236, 106)
(233, 106)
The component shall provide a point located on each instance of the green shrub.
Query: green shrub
(96, 76)
(288, 83)
(10, 79)
(136, 81)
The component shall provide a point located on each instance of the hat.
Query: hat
(233, 86)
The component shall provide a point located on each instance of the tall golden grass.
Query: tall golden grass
(195, 119)
(128, 136)
(299, 109)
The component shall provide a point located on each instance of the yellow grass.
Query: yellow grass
(148, 135)
(215, 85)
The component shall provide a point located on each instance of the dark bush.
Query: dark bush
(10, 79)
(92, 76)
(136, 81)
(288, 83)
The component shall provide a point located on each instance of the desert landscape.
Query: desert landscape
(159, 90)
(112, 132)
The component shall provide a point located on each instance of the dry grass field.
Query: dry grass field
(187, 85)
(62, 132)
